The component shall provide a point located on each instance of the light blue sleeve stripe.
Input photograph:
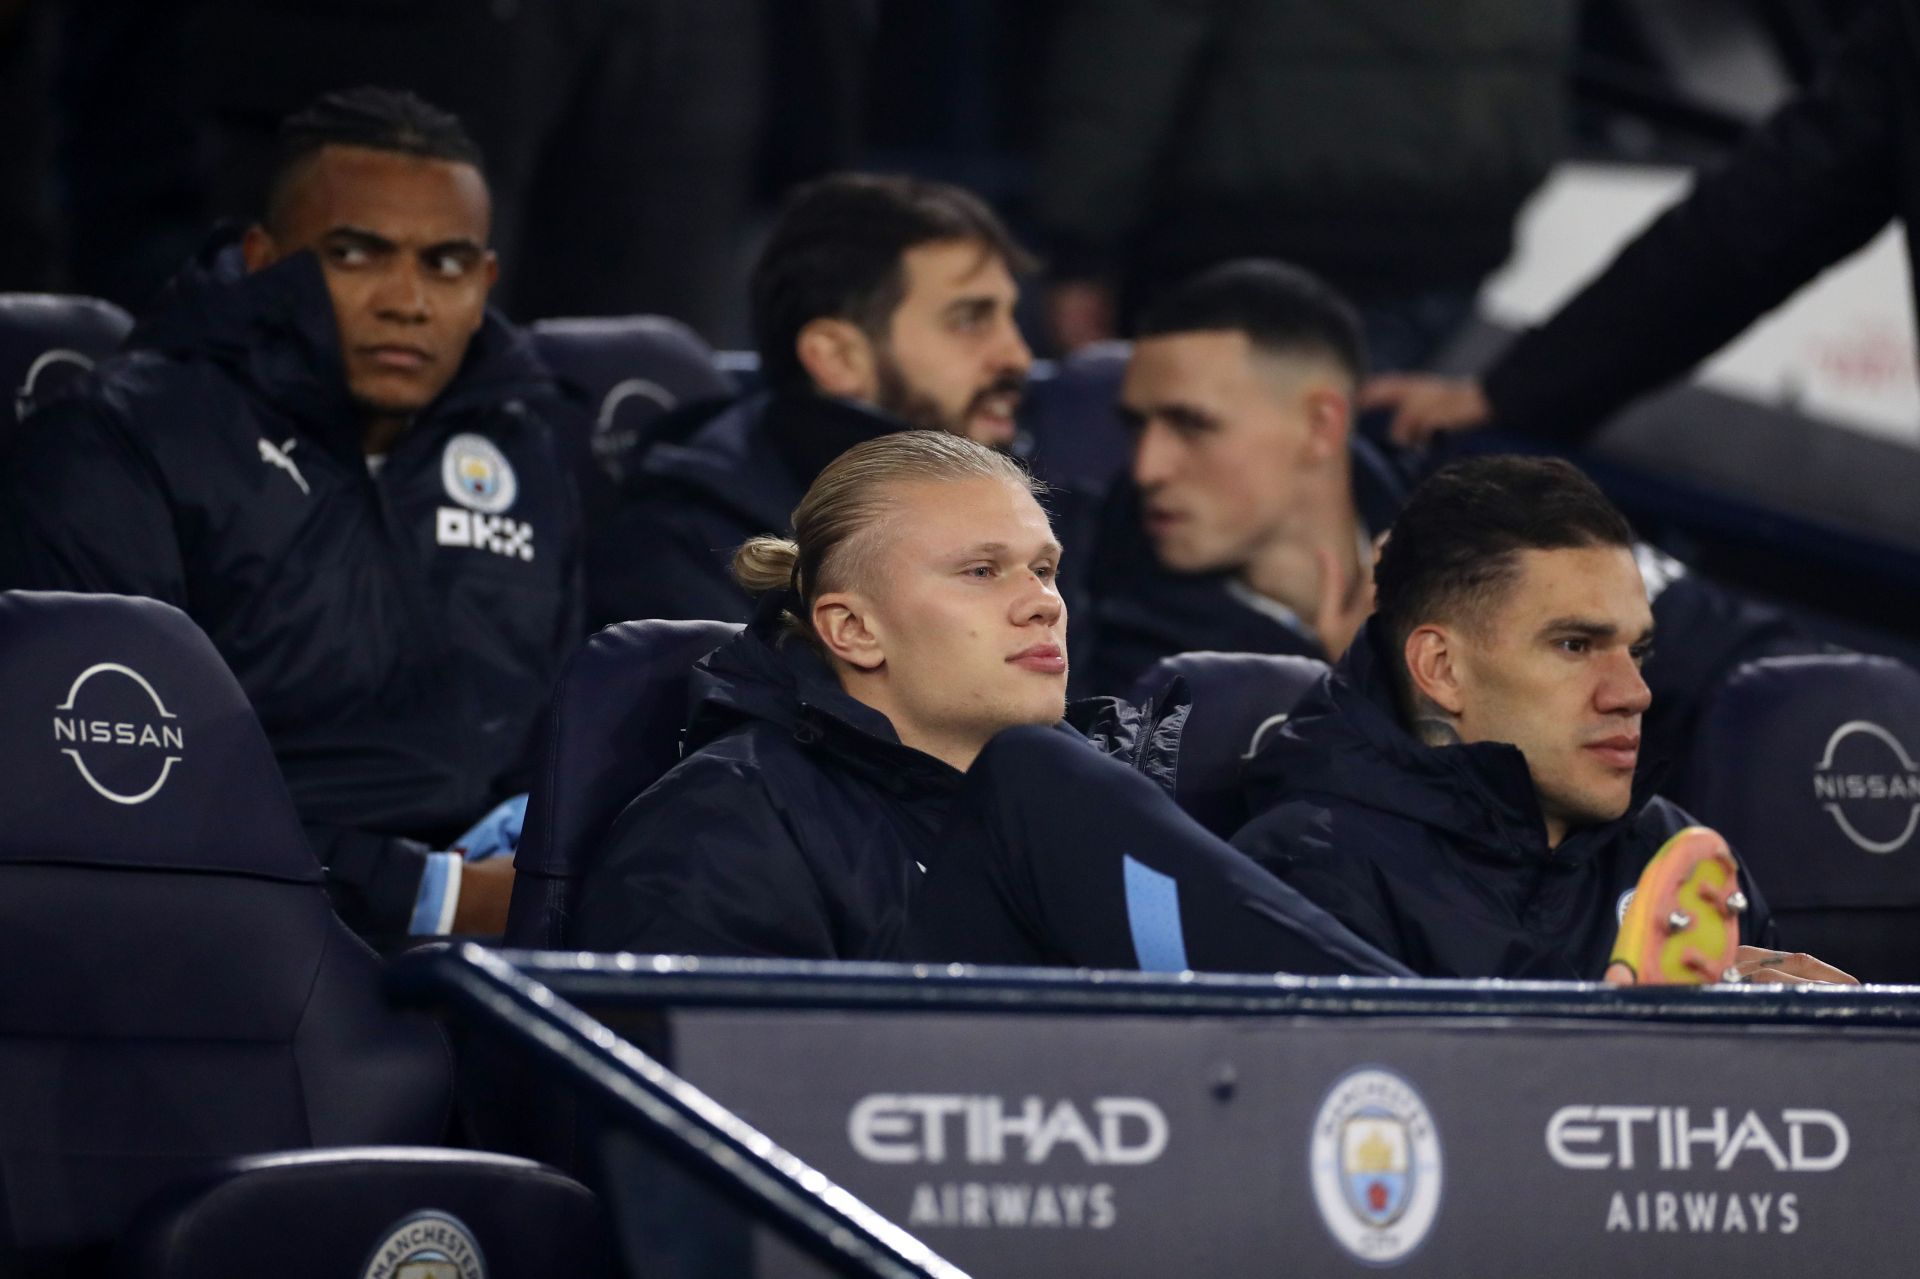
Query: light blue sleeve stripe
(429, 905)
(1153, 913)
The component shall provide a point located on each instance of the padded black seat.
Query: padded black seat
(1807, 765)
(367, 1211)
(47, 340)
(613, 727)
(630, 369)
(1238, 698)
(176, 989)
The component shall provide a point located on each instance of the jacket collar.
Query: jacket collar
(1189, 611)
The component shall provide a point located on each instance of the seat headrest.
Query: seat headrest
(47, 340)
(1238, 699)
(1073, 418)
(128, 742)
(405, 1210)
(614, 727)
(632, 369)
(1810, 766)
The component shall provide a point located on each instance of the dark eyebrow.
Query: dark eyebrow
(1580, 626)
(463, 248)
(1590, 629)
(971, 305)
(361, 238)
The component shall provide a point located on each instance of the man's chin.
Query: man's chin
(388, 405)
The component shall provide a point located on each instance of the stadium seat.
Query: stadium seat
(1077, 436)
(613, 727)
(395, 1211)
(1238, 698)
(177, 990)
(47, 340)
(1806, 765)
(630, 369)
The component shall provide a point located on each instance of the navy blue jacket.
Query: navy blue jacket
(797, 824)
(1140, 612)
(397, 634)
(711, 478)
(1438, 856)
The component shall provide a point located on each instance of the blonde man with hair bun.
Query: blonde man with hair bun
(884, 764)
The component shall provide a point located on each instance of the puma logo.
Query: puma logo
(277, 456)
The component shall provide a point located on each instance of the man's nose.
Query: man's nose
(1154, 456)
(1011, 354)
(1040, 602)
(402, 295)
(1623, 689)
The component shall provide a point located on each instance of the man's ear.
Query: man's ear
(257, 248)
(1329, 413)
(844, 624)
(490, 268)
(1433, 665)
(839, 359)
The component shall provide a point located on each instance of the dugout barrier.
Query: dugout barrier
(1039, 1122)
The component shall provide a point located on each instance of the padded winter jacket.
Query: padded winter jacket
(797, 824)
(1438, 856)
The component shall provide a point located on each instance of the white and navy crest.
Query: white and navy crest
(427, 1245)
(477, 475)
(1375, 1164)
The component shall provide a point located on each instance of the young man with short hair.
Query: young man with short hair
(1463, 790)
(1248, 526)
(879, 303)
(324, 447)
(1248, 521)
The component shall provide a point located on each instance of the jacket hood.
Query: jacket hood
(1345, 739)
(274, 331)
(757, 456)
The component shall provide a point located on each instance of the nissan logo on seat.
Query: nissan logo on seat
(1870, 785)
(118, 733)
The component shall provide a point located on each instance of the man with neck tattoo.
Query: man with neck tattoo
(1463, 789)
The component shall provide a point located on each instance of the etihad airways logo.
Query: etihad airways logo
(905, 1128)
(991, 1132)
(1676, 1138)
(1645, 1140)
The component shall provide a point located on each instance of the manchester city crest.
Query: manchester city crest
(476, 474)
(1375, 1164)
(426, 1245)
